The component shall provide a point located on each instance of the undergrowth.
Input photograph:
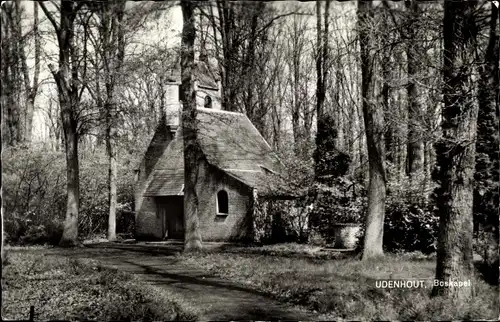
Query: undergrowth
(346, 288)
(67, 289)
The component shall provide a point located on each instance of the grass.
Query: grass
(290, 250)
(345, 288)
(66, 289)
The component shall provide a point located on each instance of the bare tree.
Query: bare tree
(229, 50)
(297, 59)
(456, 151)
(31, 89)
(322, 56)
(374, 127)
(18, 61)
(67, 81)
(8, 130)
(11, 76)
(240, 36)
(415, 144)
(111, 30)
(192, 149)
(53, 122)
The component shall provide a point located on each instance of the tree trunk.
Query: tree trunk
(296, 105)
(456, 152)
(308, 121)
(415, 144)
(30, 89)
(249, 66)
(66, 79)
(427, 165)
(338, 105)
(400, 138)
(229, 54)
(373, 116)
(2, 136)
(487, 174)
(7, 115)
(192, 150)
(16, 71)
(113, 54)
(15, 99)
(70, 232)
(112, 175)
(320, 92)
(322, 55)
(276, 127)
(322, 75)
(10, 75)
(385, 91)
(101, 133)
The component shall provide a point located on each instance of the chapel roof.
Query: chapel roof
(231, 143)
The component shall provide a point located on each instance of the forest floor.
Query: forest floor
(62, 288)
(291, 282)
(346, 288)
(201, 294)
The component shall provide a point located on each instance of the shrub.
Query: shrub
(410, 223)
(279, 221)
(334, 205)
(31, 229)
(47, 233)
(333, 199)
(287, 220)
(34, 195)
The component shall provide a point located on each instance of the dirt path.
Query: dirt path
(217, 299)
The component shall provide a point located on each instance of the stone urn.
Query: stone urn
(346, 235)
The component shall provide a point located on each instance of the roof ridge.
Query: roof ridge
(242, 170)
(211, 110)
(258, 132)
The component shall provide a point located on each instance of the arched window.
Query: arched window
(222, 202)
(208, 101)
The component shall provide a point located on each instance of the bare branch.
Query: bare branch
(49, 16)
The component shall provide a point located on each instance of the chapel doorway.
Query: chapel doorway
(171, 213)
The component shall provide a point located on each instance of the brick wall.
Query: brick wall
(147, 222)
(236, 225)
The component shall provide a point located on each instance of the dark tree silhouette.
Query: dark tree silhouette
(456, 151)
(192, 150)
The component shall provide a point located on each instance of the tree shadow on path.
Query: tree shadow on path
(218, 299)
